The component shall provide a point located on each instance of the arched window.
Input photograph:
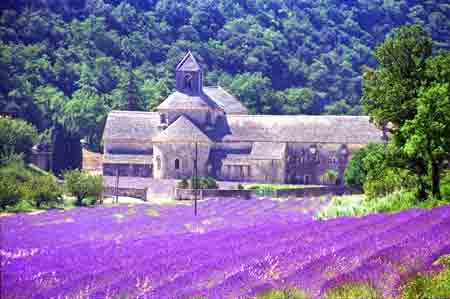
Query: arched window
(177, 164)
(188, 81)
(208, 118)
(158, 163)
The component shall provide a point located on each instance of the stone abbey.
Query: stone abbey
(231, 144)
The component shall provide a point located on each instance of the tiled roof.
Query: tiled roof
(180, 100)
(131, 125)
(300, 128)
(229, 103)
(182, 130)
(188, 64)
(128, 159)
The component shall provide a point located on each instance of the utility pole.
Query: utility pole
(195, 179)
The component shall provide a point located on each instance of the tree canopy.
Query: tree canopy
(408, 94)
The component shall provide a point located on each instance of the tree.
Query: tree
(429, 132)
(16, 136)
(355, 173)
(250, 88)
(391, 92)
(82, 184)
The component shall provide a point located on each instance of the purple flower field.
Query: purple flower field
(232, 249)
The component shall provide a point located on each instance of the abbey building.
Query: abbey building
(230, 143)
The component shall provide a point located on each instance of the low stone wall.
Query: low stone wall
(188, 194)
(314, 191)
(128, 192)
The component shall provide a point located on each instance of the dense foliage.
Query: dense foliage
(16, 137)
(408, 95)
(64, 64)
(24, 189)
(232, 249)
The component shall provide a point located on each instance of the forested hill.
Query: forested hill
(67, 62)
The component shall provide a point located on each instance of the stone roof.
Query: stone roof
(128, 159)
(183, 101)
(131, 125)
(299, 128)
(188, 64)
(229, 103)
(182, 130)
(268, 150)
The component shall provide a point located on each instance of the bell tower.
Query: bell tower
(189, 76)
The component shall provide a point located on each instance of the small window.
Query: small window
(177, 164)
(188, 82)
(208, 118)
(163, 118)
(158, 163)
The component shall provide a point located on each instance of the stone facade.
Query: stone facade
(230, 145)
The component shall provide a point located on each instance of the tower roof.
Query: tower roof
(182, 101)
(188, 64)
(182, 130)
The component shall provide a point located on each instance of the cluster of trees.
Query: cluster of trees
(408, 95)
(24, 187)
(64, 64)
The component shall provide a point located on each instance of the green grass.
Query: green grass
(284, 294)
(429, 285)
(278, 186)
(353, 291)
(358, 205)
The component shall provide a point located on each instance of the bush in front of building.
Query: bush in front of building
(81, 184)
(42, 191)
(198, 183)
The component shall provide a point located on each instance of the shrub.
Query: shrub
(445, 186)
(240, 187)
(16, 136)
(353, 291)
(9, 193)
(355, 173)
(82, 184)
(330, 177)
(183, 184)
(41, 190)
(203, 183)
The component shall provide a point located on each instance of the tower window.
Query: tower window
(188, 82)
(177, 164)
(163, 118)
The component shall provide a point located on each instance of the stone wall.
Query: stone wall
(314, 191)
(188, 194)
(128, 192)
(168, 153)
(128, 170)
(43, 160)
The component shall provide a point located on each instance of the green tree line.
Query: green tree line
(65, 64)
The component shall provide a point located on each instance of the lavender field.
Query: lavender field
(232, 249)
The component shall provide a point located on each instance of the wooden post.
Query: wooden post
(117, 186)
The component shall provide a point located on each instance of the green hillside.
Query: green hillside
(65, 63)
